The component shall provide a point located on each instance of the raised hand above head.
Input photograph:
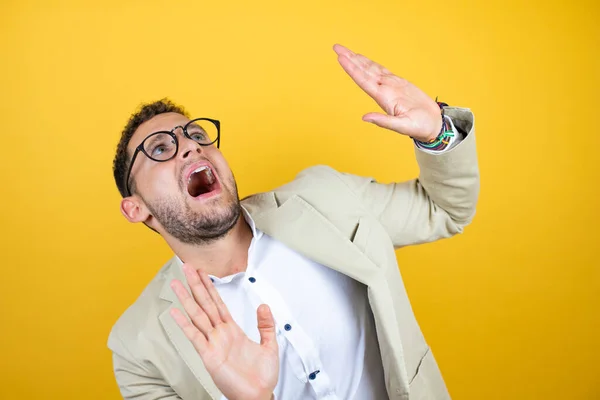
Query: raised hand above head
(408, 110)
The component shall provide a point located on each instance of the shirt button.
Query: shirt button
(313, 375)
(287, 327)
(252, 279)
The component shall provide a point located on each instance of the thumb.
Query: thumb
(401, 125)
(266, 326)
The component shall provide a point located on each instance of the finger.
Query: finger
(266, 326)
(190, 331)
(222, 309)
(360, 60)
(368, 75)
(359, 75)
(397, 124)
(200, 291)
(339, 49)
(371, 66)
(195, 312)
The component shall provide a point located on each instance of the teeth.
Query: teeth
(200, 169)
(211, 179)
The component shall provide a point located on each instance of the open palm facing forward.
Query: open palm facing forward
(408, 110)
(241, 368)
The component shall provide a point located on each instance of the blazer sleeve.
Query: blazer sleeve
(436, 205)
(135, 379)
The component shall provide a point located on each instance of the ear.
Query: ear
(134, 209)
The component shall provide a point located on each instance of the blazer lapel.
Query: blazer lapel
(184, 347)
(304, 229)
(300, 226)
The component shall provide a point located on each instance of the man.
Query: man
(294, 293)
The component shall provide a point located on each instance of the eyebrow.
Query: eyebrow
(195, 125)
(155, 136)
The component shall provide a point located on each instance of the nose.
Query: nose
(187, 147)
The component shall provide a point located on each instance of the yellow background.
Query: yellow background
(510, 307)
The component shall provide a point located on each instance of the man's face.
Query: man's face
(193, 196)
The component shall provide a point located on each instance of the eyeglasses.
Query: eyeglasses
(163, 145)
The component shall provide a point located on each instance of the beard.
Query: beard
(193, 227)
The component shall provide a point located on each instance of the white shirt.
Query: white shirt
(328, 348)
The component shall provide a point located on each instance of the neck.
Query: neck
(225, 256)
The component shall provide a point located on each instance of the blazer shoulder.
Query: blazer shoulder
(328, 190)
(141, 317)
(332, 180)
(318, 177)
(317, 171)
(308, 177)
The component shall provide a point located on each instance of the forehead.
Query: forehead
(160, 122)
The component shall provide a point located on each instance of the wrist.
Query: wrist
(440, 129)
(440, 139)
(440, 125)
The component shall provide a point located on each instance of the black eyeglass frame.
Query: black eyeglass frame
(171, 133)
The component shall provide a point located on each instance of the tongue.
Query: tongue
(200, 183)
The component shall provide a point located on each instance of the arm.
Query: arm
(136, 380)
(442, 200)
(439, 204)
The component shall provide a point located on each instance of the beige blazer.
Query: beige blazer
(349, 223)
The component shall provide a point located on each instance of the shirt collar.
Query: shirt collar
(256, 233)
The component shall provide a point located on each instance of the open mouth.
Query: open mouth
(202, 181)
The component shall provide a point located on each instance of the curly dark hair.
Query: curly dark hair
(144, 113)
